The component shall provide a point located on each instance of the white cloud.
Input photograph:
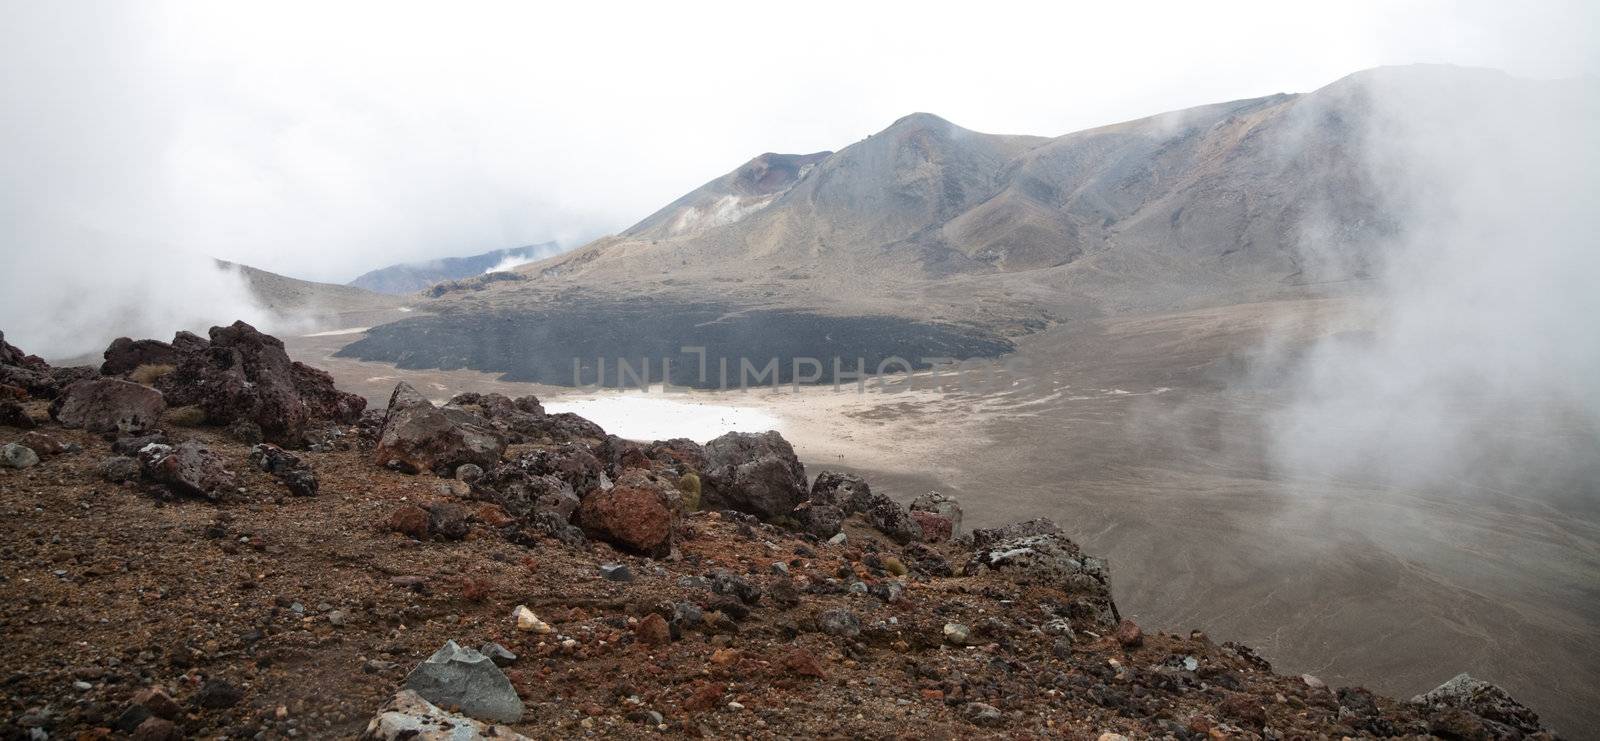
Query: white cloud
(322, 140)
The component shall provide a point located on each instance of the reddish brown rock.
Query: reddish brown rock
(802, 663)
(43, 444)
(703, 696)
(158, 702)
(639, 513)
(653, 630)
(157, 729)
(125, 354)
(244, 374)
(109, 405)
(936, 528)
(1129, 634)
(410, 520)
(1244, 709)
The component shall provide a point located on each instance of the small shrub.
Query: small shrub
(690, 486)
(149, 374)
(190, 416)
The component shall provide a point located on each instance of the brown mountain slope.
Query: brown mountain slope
(1198, 204)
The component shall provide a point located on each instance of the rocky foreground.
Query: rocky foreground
(203, 538)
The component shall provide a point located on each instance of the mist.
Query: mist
(1480, 376)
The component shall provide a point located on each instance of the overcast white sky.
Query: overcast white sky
(321, 140)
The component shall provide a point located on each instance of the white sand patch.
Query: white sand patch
(661, 417)
(336, 332)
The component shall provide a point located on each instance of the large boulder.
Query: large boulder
(984, 537)
(524, 490)
(835, 496)
(126, 354)
(457, 677)
(938, 514)
(639, 513)
(755, 473)
(679, 454)
(1052, 560)
(17, 455)
(27, 372)
(243, 374)
(418, 436)
(517, 419)
(107, 405)
(189, 469)
(408, 717)
(1503, 716)
(13, 415)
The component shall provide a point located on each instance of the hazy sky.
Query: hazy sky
(321, 140)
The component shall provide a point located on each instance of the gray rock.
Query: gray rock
(836, 495)
(957, 634)
(469, 472)
(753, 473)
(888, 590)
(418, 437)
(616, 572)
(1485, 700)
(1053, 559)
(726, 582)
(842, 623)
(983, 537)
(190, 469)
(461, 677)
(981, 714)
(500, 655)
(1062, 648)
(14, 455)
(410, 717)
(107, 405)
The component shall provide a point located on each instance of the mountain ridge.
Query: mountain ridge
(410, 277)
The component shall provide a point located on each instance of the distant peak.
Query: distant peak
(920, 120)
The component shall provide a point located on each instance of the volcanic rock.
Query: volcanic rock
(417, 436)
(461, 677)
(837, 495)
(679, 453)
(245, 374)
(639, 513)
(1052, 559)
(1504, 716)
(119, 468)
(190, 469)
(125, 354)
(107, 405)
(15, 455)
(984, 537)
(43, 444)
(755, 473)
(286, 467)
(936, 528)
(409, 717)
(940, 505)
(13, 415)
